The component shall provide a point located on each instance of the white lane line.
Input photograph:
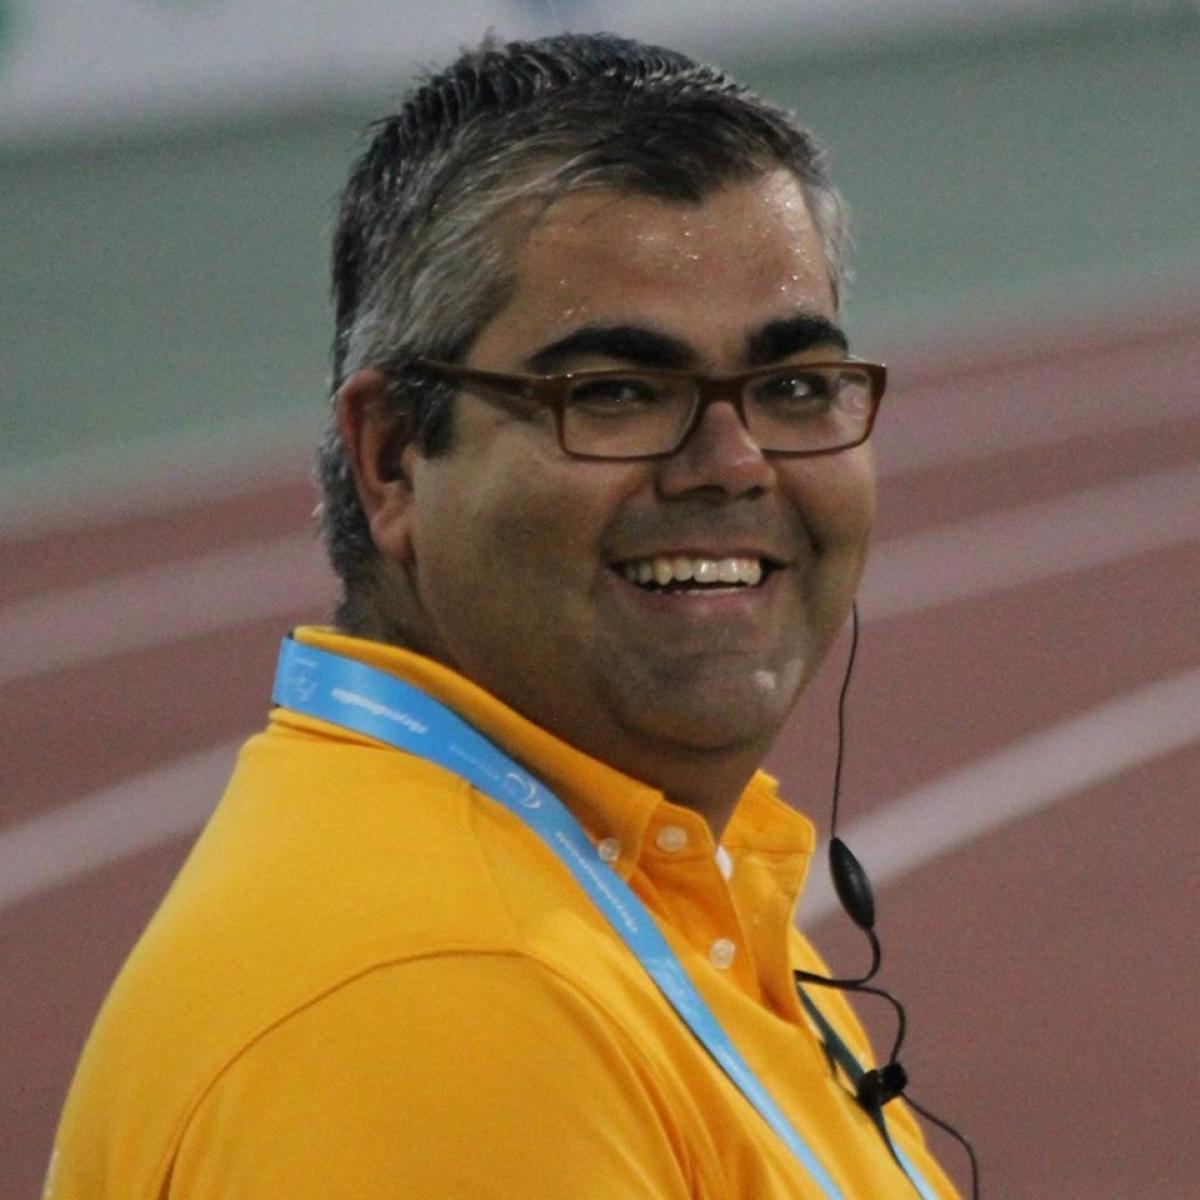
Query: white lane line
(161, 604)
(1064, 392)
(1041, 403)
(142, 475)
(1083, 529)
(1028, 775)
(111, 824)
(143, 812)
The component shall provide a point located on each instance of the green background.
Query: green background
(166, 295)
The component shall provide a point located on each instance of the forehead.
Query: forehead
(708, 273)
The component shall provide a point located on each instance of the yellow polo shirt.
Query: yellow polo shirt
(371, 981)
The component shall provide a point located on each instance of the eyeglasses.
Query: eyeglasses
(800, 409)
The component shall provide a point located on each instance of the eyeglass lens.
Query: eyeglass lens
(788, 411)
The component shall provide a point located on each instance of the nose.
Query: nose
(719, 456)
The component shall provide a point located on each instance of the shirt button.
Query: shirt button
(609, 850)
(671, 838)
(721, 953)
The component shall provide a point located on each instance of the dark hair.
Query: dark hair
(420, 264)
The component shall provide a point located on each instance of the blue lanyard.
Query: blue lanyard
(351, 694)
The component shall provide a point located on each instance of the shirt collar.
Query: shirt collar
(608, 803)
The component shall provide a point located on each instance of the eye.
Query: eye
(797, 393)
(612, 394)
(800, 386)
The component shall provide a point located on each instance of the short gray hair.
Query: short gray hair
(420, 260)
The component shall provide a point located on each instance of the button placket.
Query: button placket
(684, 864)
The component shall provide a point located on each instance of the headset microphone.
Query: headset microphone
(878, 1086)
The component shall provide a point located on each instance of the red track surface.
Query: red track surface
(1049, 966)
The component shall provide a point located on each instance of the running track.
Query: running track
(1022, 780)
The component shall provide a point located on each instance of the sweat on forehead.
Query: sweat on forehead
(608, 277)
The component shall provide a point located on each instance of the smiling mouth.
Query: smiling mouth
(695, 573)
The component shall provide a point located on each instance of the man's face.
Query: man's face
(519, 555)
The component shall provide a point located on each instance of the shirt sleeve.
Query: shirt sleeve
(458, 1075)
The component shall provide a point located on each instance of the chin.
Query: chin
(714, 716)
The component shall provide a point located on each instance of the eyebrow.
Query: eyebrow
(646, 347)
(779, 339)
(628, 343)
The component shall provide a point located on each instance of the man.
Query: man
(596, 484)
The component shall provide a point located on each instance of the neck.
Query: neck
(708, 784)
(709, 779)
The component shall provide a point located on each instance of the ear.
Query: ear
(379, 449)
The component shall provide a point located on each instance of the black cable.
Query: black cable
(877, 1087)
(859, 981)
(958, 1137)
(901, 1017)
(841, 722)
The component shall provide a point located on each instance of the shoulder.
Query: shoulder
(340, 888)
(459, 1073)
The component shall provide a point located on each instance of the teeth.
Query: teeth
(681, 569)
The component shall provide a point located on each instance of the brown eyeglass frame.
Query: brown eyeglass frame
(550, 391)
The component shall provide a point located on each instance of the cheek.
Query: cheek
(519, 533)
(556, 514)
(836, 495)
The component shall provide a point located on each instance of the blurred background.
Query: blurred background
(169, 167)
(1025, 181)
